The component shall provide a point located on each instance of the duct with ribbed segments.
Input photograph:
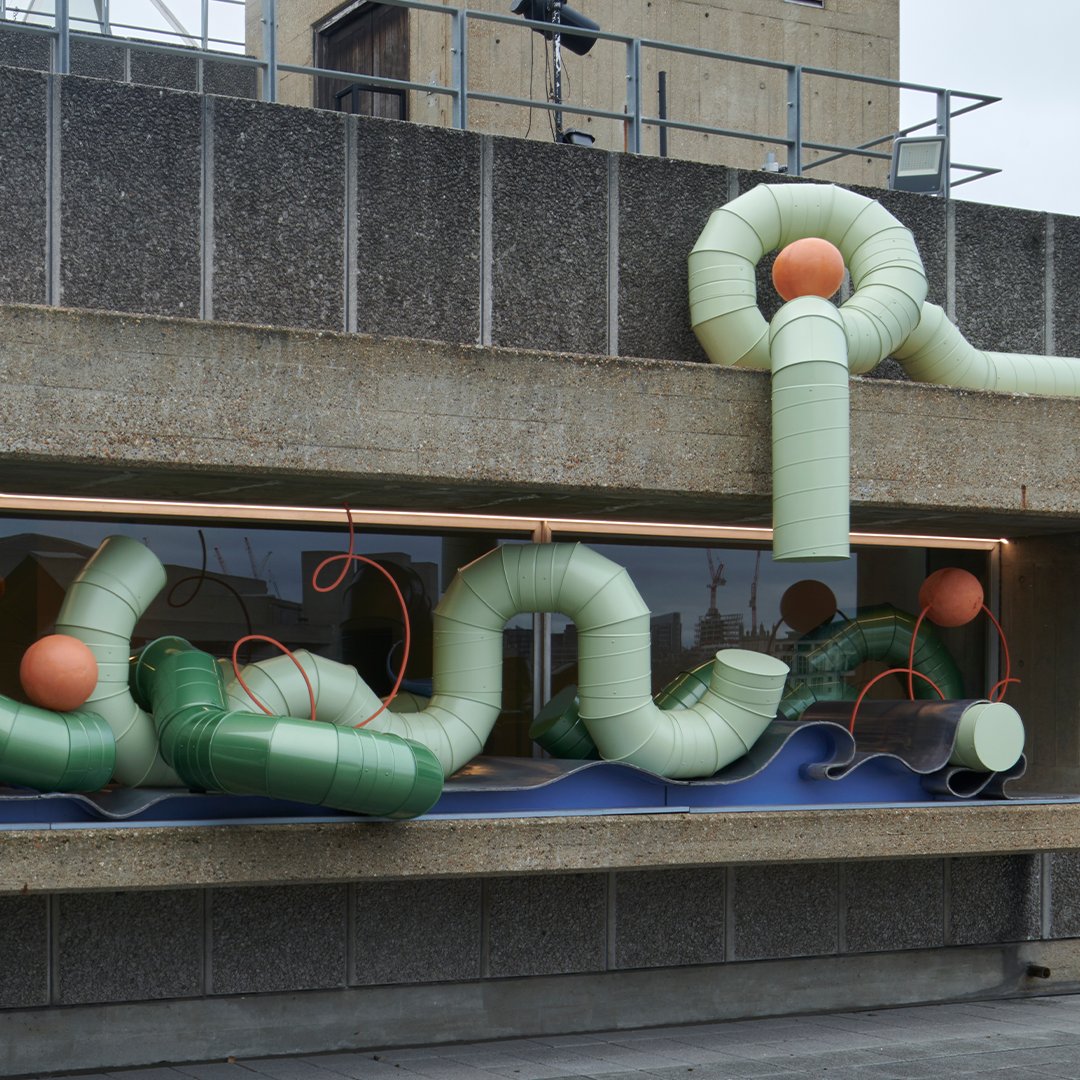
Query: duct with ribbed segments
(101, 607)
(614, 669)
(216, 748)
(886, 315)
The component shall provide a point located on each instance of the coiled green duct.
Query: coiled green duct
(212, 747)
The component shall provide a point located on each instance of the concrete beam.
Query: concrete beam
(105, 404)
(66, 859)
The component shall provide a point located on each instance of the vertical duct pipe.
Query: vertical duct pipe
(101, 607)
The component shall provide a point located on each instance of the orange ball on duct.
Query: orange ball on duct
(951, 596)
(808, 267)
(59, 672)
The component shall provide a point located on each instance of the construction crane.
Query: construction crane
(716, 580)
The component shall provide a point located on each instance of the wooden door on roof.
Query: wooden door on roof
(373, 39)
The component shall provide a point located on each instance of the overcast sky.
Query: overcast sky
(1027, 55)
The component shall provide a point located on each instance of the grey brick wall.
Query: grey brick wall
(91, 948)
(265, 213)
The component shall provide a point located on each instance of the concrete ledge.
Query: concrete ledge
(145, 1033)
(100, 403)
(65, 859)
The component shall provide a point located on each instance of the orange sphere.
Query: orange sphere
(951, 596)
(58, 672)
(808, 267)
(807, 604)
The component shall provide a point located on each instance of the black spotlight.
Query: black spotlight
(540, 11)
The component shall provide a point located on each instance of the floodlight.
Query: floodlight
(540, 11)
(919, 164)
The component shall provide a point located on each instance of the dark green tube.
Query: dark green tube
(246, 753)
(53, 751)
(883, 632)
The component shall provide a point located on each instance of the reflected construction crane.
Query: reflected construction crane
(716, 580)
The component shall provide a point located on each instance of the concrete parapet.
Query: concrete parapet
(212, 411)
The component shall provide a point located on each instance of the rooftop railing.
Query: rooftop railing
(219, 34)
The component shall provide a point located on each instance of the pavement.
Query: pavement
(1006, 1040)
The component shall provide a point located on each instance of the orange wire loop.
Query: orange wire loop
(878, 678)
(277, 644)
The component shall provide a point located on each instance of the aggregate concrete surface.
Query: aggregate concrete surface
(1015, 1039)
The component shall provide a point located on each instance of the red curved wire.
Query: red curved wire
(1004, 682)
(350, 557)
(911, 655)
(878, 678)
(285, 650)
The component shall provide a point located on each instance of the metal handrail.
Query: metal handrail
(793, 140)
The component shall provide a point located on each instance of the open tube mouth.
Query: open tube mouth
(614, 664)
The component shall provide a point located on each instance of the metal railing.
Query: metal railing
(62, 28)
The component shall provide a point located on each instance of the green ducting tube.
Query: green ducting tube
(52, 751)
(101, 607)
(614, 664)
(886, 315)
(811, 451)
(212, 747)
(883, 632)
(936, 352)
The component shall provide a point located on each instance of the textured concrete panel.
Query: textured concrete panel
(279, 212)
(1000, 275)
(163, 69)
(549, 246)
(994, 899)
(1066, 276)
(231, 80)
(664, 918)
(130, 211)
(23, 182)
(24, 49)
(24, 951)
(663, 206)
(287, 938)
(98, 59)
(550, 925)
(1065, 894)
(522, 431)
(785, 911)
(416, 931)
(418, 231)
(894, 905)
(130, 946)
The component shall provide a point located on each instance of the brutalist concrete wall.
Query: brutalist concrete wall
(88, 950)
(266, 213)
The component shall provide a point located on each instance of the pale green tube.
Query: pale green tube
(886, 271)
(990, 737)
(811, 451)
(937, 352)
(614, 668)
(101, 607)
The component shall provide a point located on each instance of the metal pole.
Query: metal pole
(63, 37)
(556, 52)
(633, 96)
(460, 29)
(794, 138)
(944, 127)
(204, 16)
(662, 94)
(270, 59)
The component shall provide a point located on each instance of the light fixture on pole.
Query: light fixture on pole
(560, 15)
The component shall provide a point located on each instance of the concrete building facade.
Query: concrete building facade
(505, 59)
(178, 265)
